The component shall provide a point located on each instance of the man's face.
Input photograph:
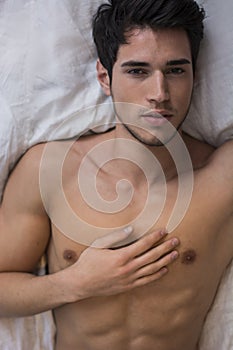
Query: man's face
(153, 80)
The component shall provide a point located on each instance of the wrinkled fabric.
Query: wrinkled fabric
(47, 74)
(211, 113)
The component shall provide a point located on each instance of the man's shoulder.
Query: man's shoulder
(218, 173)
(31, 158)
(46, 156)
(222, 159)
(213, 169)
(203, 154)
(22, 190)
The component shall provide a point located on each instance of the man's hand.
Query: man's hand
(103, 271)
(98, 272)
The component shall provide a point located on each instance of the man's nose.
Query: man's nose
(158, 91)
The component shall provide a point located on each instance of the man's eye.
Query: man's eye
(136, 71)
(175, 70)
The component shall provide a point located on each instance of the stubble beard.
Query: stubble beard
(155, 142)
(152, 141)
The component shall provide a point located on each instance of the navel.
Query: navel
(70, 255)
(188, 257)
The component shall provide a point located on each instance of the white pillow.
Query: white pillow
(211, 113)
(47, 73)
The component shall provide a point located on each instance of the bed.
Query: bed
(47, 68)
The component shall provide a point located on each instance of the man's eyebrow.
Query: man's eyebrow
(135, 64)
(175, 62)
(178, 62)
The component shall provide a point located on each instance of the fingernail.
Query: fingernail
(163, 270)
(174, 255)
(128, 230)
(175, 242)
(163, 233)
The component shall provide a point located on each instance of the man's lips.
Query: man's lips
(158, 113)
(157, 118)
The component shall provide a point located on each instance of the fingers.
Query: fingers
(145, 243)
(156, 266)
(154, 271)
(144, 260)
(155, 253)
(112, 239)
(152, 264)
(149, 279)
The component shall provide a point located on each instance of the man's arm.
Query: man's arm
(24, 236)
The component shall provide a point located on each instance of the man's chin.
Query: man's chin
(148, 139)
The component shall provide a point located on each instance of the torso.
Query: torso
(167, 314)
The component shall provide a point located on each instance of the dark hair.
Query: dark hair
(115, 19)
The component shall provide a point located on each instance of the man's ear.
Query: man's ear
(103, 78)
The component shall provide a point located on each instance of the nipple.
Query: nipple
(70, 256)
(188, 257)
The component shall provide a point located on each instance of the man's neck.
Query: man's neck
(162, 157)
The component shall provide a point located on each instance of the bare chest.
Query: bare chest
(80, 216)
(155, 313)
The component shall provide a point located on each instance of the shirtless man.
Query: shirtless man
(112, 298)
